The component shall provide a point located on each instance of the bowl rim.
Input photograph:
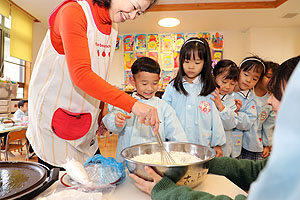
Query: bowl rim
(159, 165)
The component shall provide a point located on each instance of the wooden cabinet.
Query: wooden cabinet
(8, 91)
(5, 108)
(14, 105)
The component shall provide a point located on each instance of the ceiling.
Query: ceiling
(213, 18)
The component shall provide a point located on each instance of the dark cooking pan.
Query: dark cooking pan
(24, 180)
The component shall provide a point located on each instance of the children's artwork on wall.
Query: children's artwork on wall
(189, 35)
(176, 59)
(128, 60)
(178, 41)
(153, 55)
(127, 75)
(167, 61)
(153, 42)
(217, 54)
(217, 41)
(140, 42)
(128, 42)
(140, 55)
(166, 77)
(164, 48)
(206, 36)
(118, 42)
(166, 42)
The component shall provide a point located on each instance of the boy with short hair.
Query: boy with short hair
(146, 76)
(22, 110)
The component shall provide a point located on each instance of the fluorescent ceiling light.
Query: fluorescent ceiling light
(169, 22)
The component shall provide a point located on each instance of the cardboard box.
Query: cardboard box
(8, 90)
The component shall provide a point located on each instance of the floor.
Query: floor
(107, 148)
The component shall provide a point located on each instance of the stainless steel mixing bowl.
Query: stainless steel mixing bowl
(190, 175)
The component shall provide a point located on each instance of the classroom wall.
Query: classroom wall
(276, 44)
(39, 33)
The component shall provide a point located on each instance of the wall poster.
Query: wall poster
(164, 48)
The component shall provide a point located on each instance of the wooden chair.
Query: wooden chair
(15, 140)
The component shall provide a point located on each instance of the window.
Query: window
(12, 68)
(7, 22)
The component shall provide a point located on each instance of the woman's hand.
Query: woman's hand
(120, 119)
(217, 99)
(219, 151)
(146, 186)
(147, 115)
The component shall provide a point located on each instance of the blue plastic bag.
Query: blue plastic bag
(109, 170)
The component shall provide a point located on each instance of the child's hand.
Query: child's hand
(238, 104)
(217, 99)
(219, 151)
(146, 186)
(120, 119)
(266, 152)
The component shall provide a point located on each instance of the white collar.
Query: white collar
(21, 110)
(245, 93)
(195, 81)
(135, 95)
(223, 97)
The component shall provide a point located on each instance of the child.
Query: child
(189, 95)
(146, 75)
(22, 110)
(279, 179)
(267, 116)
(226, 76)
(252, 70)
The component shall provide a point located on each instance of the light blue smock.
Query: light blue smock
(198, 115)
(247, 123)
(19, 114)
(267, 121)
(229, 120)
(136, 133)
(280, 179)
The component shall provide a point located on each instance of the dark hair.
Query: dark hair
(281, 76)
(271, 65)
(21, 103)
(107, 3)
(228, 66)
(187, 51)
(145, 64)
(254, 62)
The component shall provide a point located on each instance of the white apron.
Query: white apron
(63, 118)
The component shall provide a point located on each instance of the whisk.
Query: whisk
(166, 158)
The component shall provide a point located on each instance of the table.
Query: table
(13, 128)
(213, 184)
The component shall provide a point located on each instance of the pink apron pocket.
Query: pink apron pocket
(70, 126)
